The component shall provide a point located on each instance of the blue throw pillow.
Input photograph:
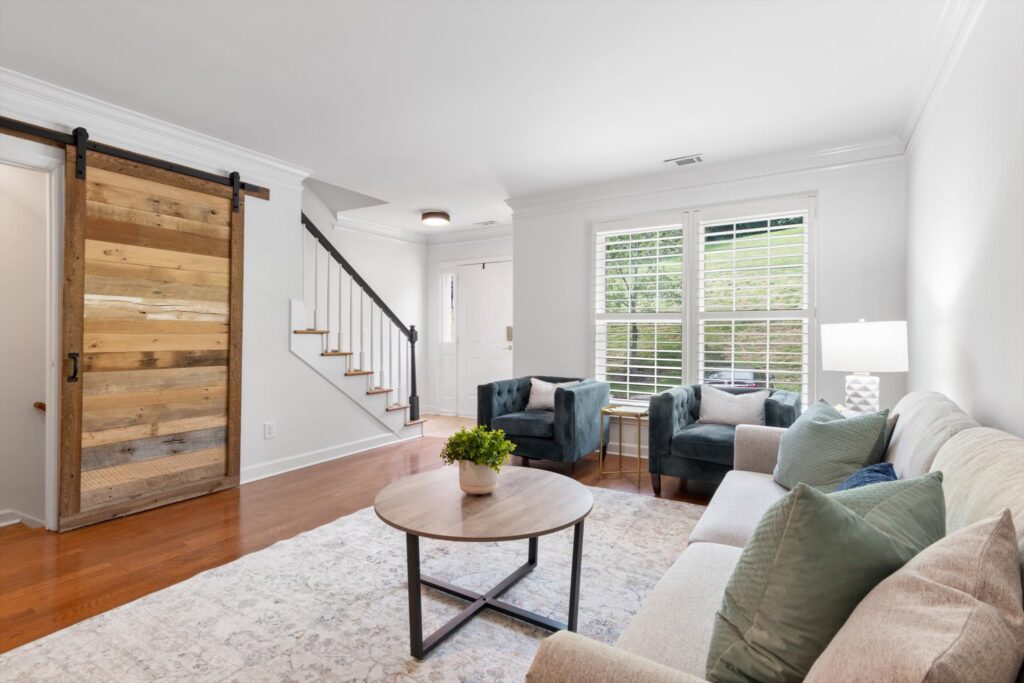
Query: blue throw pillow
(872, 474)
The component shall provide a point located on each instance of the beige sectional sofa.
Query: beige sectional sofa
(983, 474)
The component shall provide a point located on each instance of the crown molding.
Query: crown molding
(34, 101)
(347, 223)
(881, 150)
(488, 234)
(955, 26)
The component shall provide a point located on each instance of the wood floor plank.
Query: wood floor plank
(142, 431)
(156, 220)
(110, 418)
(103, 342)
(143, 201)
(152, 398)
(151, 448)
(144, 256)
(141, 360)
(151, 289)
(51, 581)
(120, 232)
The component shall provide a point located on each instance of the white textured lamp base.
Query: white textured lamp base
(862, 393)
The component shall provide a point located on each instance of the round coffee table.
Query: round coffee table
(528, 504)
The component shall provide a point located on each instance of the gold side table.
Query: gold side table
(636, 412)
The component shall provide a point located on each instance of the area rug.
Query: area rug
(331, 605)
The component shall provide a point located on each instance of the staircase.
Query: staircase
(345, 332)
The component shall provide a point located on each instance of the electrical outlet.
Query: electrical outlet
(269, 430)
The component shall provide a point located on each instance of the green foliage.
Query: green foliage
(478, 445)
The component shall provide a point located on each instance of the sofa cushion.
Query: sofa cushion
(823, 448)
(805, 568)
(736, 508)
(872, 474)
(983, 474)
(536, 423)
(927, 421)
(681, 608)
(953, 613)
(707, 442)
(721, 407)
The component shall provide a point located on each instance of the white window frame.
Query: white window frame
(691, 219)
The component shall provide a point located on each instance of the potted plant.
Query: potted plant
(480, 453)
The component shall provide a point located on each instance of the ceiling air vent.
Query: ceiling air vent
(686, 160)
(484, 224)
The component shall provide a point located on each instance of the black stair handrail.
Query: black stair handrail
(409, 331)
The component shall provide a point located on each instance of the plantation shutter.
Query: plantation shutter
(639, 308)
(753, 290)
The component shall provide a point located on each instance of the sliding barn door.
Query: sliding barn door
(152, 339)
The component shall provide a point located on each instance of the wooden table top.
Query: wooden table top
(527, 503)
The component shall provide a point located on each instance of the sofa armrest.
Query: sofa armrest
(567, 657)
(500, 398)
(757, 448)
(578, 420)
(782, 408)
(670, 411)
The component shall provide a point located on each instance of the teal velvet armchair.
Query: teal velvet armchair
(565, 434)
(679, 446)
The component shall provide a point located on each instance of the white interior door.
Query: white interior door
(484, 315)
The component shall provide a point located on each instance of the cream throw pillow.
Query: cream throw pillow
(722, 408)
(953, 613)
(542, 394)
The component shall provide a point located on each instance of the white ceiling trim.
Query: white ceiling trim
(713, 174)
(388, 232)
(958, 20)
(44, 104)
(488, 234)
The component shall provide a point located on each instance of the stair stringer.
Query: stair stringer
(308, 347)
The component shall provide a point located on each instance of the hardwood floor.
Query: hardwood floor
(50, 581)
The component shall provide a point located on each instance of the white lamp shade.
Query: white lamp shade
(865, 347)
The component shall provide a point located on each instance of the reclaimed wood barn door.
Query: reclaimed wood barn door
(152, 339)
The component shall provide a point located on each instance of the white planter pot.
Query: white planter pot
(477, 480)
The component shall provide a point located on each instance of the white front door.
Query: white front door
(484, 319)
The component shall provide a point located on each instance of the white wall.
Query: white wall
(24, 202)
(440, 367)
(965, 238)
(860, 245)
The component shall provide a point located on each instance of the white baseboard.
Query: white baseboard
(297, 462)
(8, 517)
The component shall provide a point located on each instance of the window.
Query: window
(448, 308)
(748, 320)
(639, 309)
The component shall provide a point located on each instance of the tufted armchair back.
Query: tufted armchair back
(508, 396)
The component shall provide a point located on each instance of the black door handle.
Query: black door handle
(74, 367)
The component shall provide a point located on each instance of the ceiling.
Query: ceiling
(460, 105)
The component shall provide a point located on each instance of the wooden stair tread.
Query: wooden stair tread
(310, 331)
(397, 406)
(379, 390)
(410, 423)
(336, 353)
(351, 373)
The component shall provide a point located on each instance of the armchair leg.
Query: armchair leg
(656, 483)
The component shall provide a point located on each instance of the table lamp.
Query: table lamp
(863, 348)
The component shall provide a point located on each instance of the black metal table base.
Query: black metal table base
(478, 602)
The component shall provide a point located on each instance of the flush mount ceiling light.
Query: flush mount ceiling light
(435, 218)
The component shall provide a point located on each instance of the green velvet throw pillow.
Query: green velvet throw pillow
(822, 448)
(810, 561)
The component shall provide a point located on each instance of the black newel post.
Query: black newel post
(414, 399)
